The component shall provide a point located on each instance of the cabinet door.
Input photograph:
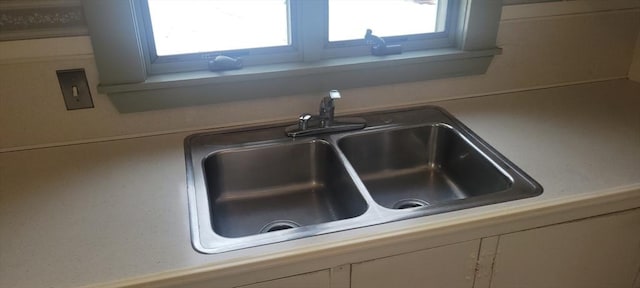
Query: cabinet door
(451, 266)
(596, 252)
(319, 279)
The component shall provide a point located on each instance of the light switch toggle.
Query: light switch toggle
(75, 89)
(75, 93)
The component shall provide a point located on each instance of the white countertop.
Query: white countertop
(103, 212)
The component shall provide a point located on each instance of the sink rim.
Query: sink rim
(201, 145)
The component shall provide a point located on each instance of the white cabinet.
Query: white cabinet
(318, 279)
(596, 252)
(451, 266)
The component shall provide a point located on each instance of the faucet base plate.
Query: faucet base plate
(338, 125)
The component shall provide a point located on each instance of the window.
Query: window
(349, 18)
(188, 26)
(159, 49)
(183, 35)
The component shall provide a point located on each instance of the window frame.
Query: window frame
(415, 42)
(127, 76)
(199, 61)
(294, 52)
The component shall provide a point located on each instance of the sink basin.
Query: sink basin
(257, 186)
(304, 180)
(421, 166)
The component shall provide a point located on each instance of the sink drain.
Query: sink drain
(409, 203)
(279, 225)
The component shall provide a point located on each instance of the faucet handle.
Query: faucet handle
(303, 121)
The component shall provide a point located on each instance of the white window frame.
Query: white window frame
(135, 83)
(199, 61)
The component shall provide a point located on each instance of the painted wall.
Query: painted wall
(634, 70)
(546, 48)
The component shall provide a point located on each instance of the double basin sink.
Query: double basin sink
(255, 187)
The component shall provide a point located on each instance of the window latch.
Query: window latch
(379, 47)
(221, 63)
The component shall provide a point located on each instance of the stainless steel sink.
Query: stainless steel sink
(421, 166)
(256, 187)
(267, 188)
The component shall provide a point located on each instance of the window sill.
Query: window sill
(204, 87)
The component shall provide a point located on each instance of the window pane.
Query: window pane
(193, 26)
(350, 19)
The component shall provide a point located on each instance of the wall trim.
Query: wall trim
(541, 10)
(50, 49)
(33, 19)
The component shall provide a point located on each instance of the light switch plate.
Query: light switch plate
(75, 89)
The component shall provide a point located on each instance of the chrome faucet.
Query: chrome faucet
(327, 108)
(325, 121)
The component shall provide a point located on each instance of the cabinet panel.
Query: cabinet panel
(597, 252)
(451, 266)
(319, 279)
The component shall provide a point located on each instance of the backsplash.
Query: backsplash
(537, 52)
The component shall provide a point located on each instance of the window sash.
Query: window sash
(199, 61)
(425, 41)
(214, 28)
(445, 23)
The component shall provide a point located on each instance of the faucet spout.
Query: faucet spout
(327, 108)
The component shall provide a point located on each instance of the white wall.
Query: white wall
(634, 70)
(540, 49)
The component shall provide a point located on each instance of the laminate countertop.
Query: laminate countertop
(115, 213)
